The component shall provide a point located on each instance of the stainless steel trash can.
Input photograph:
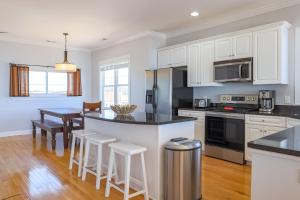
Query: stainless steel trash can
(182, 170)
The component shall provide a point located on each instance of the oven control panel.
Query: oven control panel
(240, 99)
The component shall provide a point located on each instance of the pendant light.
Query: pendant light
(65, 66)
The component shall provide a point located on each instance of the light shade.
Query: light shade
(65, 67)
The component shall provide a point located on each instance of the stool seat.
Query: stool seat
(100, 139)
(79, 133)
(127, 148)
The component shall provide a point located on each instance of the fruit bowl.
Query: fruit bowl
(123, 109)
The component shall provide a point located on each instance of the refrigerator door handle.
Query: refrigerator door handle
(155, 95)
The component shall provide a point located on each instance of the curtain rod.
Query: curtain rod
(48, 66)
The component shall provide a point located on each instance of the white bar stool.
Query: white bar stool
(98, 140)
(78, 134)
(127, 150)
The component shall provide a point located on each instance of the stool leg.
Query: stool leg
(110, 169)
(99, 165)
(86, 159)
(72, 153)
(80, 156)
(33, 130)
(116, 176)
(146, 195)
(53, 134)
(127, 177)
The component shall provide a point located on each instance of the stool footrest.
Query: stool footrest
(131, 195)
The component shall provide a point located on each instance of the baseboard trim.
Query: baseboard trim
(15, 133)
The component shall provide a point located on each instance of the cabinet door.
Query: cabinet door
(253, 132)
(242, 46)
(200, 132)
(207, 59)
(269, 130)
(223, 49)
(178, 56)
(194, 65)
(265, 59)
(292, 122)
(163, 59)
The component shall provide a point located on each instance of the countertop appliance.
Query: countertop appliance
(166, 90)
(225, 127)
(237, 70)
(266, 100)
(201, 103)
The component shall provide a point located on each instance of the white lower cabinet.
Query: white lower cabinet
(199, 124)
(258, 126)
(292, 122)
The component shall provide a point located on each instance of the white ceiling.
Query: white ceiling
(88, 21)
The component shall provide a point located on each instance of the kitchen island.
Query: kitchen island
(145, 129)
(276, 166)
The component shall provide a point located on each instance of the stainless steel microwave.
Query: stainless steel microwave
(238, 70)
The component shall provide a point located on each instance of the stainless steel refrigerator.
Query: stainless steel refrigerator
(166, 90)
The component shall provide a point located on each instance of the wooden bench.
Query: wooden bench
(47, 125)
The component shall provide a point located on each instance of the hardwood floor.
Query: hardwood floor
(29, 170)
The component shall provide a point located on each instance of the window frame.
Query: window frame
(111, 64)
(47, 70)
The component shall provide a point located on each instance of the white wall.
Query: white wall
(16, 112)
(142, 54)
(291, 14)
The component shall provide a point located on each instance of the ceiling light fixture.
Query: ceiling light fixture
(65, 66)
(50, 41)
(194, 14)
(3, 32)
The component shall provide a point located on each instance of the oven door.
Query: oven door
(225, 130)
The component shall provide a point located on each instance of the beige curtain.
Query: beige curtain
(74, 83)
(19, 80)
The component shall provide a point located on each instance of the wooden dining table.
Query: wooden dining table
(66, 115)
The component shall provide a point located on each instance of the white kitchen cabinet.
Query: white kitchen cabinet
(199, 124)
(178, 56)
(194, 69)
(252, 132)
(163, 58)
(172, 57)
(270, 57)
(223, 49)
(200, 64)
(239, 46)
(242, 45)
(258, 126)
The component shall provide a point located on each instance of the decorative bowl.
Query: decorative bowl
(123, 109)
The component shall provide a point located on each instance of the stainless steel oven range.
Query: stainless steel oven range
(225, 127)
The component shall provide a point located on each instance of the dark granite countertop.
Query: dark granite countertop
(280, 110)
(284, 142)
(138, 118)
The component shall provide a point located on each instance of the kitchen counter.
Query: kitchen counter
(284, 142)
(139, 118)
(146, 130)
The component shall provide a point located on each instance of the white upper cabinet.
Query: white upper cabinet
(163, 58)
(200, 64)
(194, 73)
(223, 49)
(239, 46)
(178, 56)
(242, 45)
(172, 57)
(270, 59)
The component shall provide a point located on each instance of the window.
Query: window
(114, 85)
(45, 81)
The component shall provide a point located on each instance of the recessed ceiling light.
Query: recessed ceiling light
(104, 39)
(194, 14)
(3, 32)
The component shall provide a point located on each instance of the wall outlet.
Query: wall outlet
(287, 100)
